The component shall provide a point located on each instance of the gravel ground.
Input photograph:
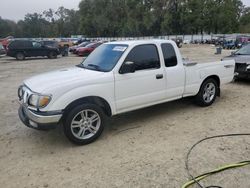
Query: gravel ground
(144, 148)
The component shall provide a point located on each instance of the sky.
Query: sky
(16, 9)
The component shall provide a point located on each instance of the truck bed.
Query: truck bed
(197, 72)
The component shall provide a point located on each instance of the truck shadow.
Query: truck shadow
(136, 118)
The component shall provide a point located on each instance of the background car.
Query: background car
(50, 43)
(64, 42)
(54, 44)
(229, 44)
(242, 59)
(6, 41)
(178, 41)
(85, 51)
(74, 48)
(241, 41)
(2, 50)
(20, 49)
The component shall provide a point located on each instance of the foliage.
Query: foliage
(113, 18)
(245, 21)
(159, 17)
(60, 23)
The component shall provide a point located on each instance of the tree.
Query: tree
(113, 18)
(7, 28)
(245, 21)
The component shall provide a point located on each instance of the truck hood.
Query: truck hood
(239, 58)
(61, 77)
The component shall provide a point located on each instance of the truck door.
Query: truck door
(146, 85)
(174, 71)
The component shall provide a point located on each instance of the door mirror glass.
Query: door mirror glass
(127, 67)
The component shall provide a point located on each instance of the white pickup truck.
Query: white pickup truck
(117, 77)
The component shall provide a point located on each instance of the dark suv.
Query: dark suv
(20, 49)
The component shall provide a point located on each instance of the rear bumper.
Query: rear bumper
(39, 121)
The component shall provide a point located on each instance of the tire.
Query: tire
(20, 56)
(208, 93)
(81, 130)
(52, 55)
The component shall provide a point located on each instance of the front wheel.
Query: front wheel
(84, 124)
(208, 92)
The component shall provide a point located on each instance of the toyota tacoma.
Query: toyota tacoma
(117, 77)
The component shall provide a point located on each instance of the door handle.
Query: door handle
(159, 76)
(228, 66)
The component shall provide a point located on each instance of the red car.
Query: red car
(85, 51)
(73, 49)
(6, 41)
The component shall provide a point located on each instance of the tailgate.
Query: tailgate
(223, 69)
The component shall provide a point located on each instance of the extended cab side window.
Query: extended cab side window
(144, 57)
(169, 55)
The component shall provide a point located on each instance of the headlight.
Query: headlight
(248, 67)
(20, 92)
(39, 101)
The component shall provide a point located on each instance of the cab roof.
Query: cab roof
(138, 42)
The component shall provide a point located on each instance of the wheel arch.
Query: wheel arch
(216, 78)
(92, 100)
(20, 51)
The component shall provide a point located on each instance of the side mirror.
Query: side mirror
(127, 67)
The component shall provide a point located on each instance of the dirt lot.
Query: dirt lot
(151, 154)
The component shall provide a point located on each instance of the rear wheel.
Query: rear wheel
(208, 92)
(52, 55)
(84, 124)
(20, 56)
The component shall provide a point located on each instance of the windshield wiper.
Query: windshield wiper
(81, 66)
(96, 67)
(241, 54)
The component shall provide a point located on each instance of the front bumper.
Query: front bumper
(39, 121)
(242, 70)
(243, 75)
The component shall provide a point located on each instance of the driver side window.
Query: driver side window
(144, 57)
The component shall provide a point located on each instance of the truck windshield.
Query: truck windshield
(104, 58)
(244, 50)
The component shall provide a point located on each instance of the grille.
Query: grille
(240, 67)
